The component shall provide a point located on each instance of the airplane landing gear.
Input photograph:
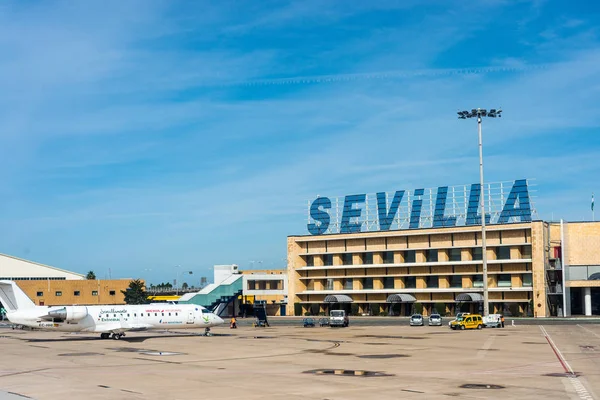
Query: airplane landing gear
(104, 335)
(117, 336)
(207, 332)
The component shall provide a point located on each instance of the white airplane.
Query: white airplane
(107, 320)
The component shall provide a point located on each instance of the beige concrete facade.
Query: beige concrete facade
(80, 292)
(433, 265)
(525, 268)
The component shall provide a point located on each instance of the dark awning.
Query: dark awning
(401, 298)
(338, 298)
(469, 297)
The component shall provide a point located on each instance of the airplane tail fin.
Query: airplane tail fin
(13, 298)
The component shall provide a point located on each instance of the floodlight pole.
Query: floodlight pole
(493, 113)
(486, 304)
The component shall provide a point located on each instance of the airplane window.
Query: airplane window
(115, 315)
(175, 314)
(163, 314)
(128, 314)
(156, 314)
(169, 314)
(135, 315)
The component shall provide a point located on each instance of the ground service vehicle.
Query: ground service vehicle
(471, 321)
(493, 321)
(338, 318)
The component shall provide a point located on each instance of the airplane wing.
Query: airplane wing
(120, 327)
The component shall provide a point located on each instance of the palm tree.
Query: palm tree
(90, 275)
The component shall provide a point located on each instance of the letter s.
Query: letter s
(319, 215)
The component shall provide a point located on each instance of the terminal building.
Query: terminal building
(421, 251)
(235, 292)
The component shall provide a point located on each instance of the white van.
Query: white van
(493, 321)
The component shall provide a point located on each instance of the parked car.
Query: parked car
(471, 321)
(435, 320)
(308, 322)
(416, 320)
(323, 322)
(338, 318)
(458, 315)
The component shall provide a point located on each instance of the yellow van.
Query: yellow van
(470, 321)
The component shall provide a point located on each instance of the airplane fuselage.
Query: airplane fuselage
(115, 318)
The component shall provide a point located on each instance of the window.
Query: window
(94, 293)
(478, 281)
(112, 292)
(454, 255)
(156, 314)
(476, 253)
(410, 282)
(503, 253)
(115, 315)
(456, 281)
(127, 315)
(58, 293)
(135, 314)
(432, 282)
(329, 283)
(526, 279)
(347, 284)
(328, 259)
(388, 257)
(368, 258)
(76, 293)
(310, 261)
(367, 283)
(410, 256)
(526, 252)
(388, 282)
(176, 314)
(431, 255)
(40, 294)
(504, 280)
(347, 258)
(169, 314)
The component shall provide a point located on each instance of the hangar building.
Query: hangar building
(50, 286)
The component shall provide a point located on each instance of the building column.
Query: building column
(587, 301)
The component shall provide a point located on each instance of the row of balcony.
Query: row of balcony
(418, 282)
(453, 255)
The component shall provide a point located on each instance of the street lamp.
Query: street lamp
(177, 279)
(479, 113)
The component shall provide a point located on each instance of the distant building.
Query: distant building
(49, 286)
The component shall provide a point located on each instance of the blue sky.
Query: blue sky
(140, 135)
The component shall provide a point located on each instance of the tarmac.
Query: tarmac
(286, 361)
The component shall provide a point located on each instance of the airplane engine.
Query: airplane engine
(71, 313)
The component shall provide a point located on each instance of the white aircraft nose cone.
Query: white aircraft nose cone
(218, 320)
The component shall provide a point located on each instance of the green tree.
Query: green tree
(135, 293)
(184, 286)
(90, 275)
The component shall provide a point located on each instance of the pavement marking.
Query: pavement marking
(577, 385)
(486, 346)
(589, 330)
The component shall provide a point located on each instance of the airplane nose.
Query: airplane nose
(219, 320)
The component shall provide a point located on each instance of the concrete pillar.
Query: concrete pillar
(587, 301)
